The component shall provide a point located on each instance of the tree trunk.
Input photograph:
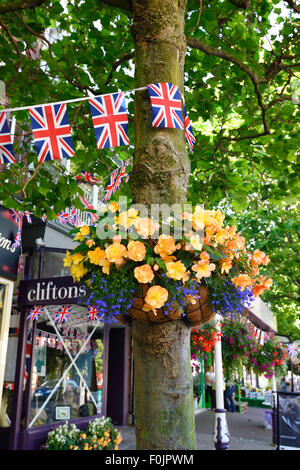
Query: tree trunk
(163, 380)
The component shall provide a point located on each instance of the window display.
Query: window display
(67, 374)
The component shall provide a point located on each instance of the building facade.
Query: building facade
(58, 362)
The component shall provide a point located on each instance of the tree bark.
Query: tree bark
(161, 165)
(164, 407)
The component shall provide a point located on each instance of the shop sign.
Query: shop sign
(288, 409)
(9, 254)
(50, 291)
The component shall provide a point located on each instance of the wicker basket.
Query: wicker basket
(162, 315)
(201, 312)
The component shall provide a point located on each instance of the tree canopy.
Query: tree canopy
(241, 92)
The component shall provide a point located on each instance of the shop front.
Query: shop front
(62, 362)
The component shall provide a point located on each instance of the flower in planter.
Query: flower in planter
(115, 268)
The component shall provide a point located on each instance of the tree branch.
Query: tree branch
(293, 6)
(116, 64)
(256, 80)
(210, 50)
(19, 5)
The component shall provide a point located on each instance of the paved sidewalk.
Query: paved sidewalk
(247, 431)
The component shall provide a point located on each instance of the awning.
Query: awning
(261, 316)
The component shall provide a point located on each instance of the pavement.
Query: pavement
(247, 431)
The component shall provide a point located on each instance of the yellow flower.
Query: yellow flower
(126, 219)
(196, 242)
(203, 268)
(145, 227)
(226, 265)
(242, 281)
(175, 270)
(115, 252)
(96, 255)
(136, 251)
(144, 274)
(78, 271)
(68, 260)
(221, 236)
(113, 206)
(198, 218)
(85, 230)
(79, 237)
(90, 243)
(83, 436)
(116, 448)
(77, 258)
(165, 245)
(156, 297)
(105, 265)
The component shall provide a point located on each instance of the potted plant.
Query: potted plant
(131, 270)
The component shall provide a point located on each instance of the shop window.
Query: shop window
(67, 374)
(8, 346)
(53, 265)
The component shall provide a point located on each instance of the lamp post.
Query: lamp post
(221, 435)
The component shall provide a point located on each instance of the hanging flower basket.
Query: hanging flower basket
(200, 310)
(160, 315)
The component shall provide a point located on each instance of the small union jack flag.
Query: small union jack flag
(35, 312)
(86, 177)
(6, 146)
(110, 187)
(166, 105)
(65, 218)
(93, 314)
(87, 205)
(28, 217)
(18, 239)
(63, 313)
(190, 138)
(109, 114)
(75, 216)
(120, 176)
(292, 350)
(44, 218)
(51, 132)
(20, 264)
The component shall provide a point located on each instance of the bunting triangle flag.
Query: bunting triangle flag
(110, 119)
(6, 146)
(51, 132)
(166, 105)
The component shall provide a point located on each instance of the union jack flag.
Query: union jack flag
(87, 205)
(75, 216)
(86, 177)
(120, 176)
(35, 312)
(109, 114)
(20, 264)
(110, 187)
(166, 105)
(292, 350)
(6, 146)
(63, 313)
(28, 217)
(44, 218)
(93, 314)
(190, 138)
(51, 132)
(18, 239)
(65, 218)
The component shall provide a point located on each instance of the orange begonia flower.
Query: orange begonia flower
(242, 281)
(203, 269)
(136, 250)
(144, 274)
